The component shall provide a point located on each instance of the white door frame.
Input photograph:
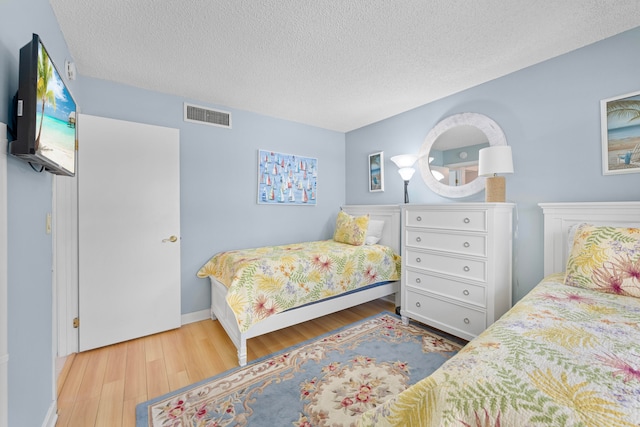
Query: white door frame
(65, 249)
(4, 329)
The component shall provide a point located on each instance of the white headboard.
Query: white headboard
(390, 214)
(559, 217)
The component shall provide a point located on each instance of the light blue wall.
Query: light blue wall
(218, 198)
(550, 114)
(30, 248)
(219, 182)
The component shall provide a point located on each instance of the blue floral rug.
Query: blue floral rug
(327, 381)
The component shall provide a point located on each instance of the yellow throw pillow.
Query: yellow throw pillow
(605, 259)
(351, 230)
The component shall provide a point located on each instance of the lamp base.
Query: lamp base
(495, 189)
(406, 193)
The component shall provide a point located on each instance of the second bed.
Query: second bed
(260, 290)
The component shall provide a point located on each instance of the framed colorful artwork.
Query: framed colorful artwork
(376, 171)
(620, 126)
(287, 179)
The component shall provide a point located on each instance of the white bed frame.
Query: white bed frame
(220, 310)
(559, 217)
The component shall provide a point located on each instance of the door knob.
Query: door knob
(171, 239)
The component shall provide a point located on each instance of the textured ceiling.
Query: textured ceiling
(336, 64)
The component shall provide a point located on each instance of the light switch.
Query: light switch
(48, 223)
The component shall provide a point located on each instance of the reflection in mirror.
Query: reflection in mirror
(455, 154)
(448, 158)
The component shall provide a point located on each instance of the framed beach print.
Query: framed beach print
(287, 179)
(376, 171)
(620, 124)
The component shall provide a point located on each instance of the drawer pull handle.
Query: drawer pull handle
(418, 260)
(418, 304)
(466, 244)
(465, 292)
(466, 268)
(418, 218)
(466, 320)
(418, 239)
(467, 220)
(418, 280)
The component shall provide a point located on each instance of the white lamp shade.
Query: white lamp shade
(404, 160)
(406, 173)
(494, 160)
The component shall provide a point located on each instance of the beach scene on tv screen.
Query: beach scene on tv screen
(55, 116)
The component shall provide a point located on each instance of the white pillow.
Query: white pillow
(374, 231)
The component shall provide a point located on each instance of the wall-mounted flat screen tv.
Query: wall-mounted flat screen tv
(45, 113)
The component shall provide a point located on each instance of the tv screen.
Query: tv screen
(46, 113)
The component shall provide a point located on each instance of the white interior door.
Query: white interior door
(128, 230)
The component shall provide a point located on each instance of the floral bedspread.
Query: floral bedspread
(562, 356)
(269, 280)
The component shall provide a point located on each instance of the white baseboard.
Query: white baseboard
(4, 390)
(60, 362)
(196, 316)
(4, 284)
(52, 415)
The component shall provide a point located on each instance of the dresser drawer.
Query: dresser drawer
(448, 219)
(465, 268)
(443, 313)
(457, 243)
(471, 294)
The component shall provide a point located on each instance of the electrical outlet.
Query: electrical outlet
(48, 223)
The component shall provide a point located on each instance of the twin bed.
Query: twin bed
(316, 278)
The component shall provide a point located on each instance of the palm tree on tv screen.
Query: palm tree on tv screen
(45, 75)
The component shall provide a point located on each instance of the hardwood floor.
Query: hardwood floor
(102, 387)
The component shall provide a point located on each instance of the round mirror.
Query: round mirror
(448, 158)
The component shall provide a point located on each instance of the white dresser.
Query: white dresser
(456, 265)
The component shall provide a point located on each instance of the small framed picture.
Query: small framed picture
(620, 125)
(376, 171)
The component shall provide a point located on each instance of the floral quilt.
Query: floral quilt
(562, 356)
(268, 280)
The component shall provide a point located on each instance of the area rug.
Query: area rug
(327, 381)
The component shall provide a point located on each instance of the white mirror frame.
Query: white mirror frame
(494, 134)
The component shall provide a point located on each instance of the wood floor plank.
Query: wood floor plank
(93, 377)
(111, 404)
(84, 413)
(116, 362)
(174, 360)
(135, 371)
(192, 360)
(152, 347)
(157, 381)
(177, 380)
(209, 359)
(102, 387)
(69, 389)
(172, 355)
(129, 411)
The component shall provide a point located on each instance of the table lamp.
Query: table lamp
(492, 161)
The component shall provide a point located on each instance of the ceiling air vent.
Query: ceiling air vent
(197, 114)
